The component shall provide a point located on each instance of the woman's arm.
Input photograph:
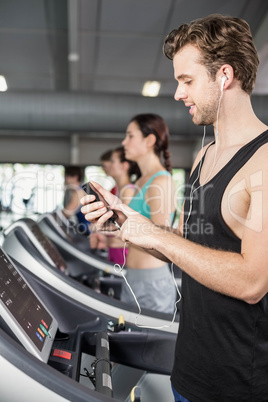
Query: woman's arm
(160, 197)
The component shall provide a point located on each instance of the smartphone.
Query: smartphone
(90, 189)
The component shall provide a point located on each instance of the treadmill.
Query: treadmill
(71, 244)
(67, 229)
(24, 241)
(90, 270)
(52, 346)
(66, 237)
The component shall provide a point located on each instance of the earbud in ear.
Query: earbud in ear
(223, 79)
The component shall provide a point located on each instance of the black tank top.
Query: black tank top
(222, 346)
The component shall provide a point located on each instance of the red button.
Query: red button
(62, 353)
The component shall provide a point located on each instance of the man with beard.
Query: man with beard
(222, 346)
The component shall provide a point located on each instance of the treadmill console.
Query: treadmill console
(40, 241)
(61, 224)
(48, 247)
(23, 312)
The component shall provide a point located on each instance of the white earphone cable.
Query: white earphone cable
(193, 190)
(135, 298)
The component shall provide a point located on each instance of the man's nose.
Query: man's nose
(180, 93)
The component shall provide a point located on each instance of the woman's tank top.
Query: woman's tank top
(138, 202)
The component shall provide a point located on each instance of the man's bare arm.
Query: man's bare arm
(157, 253)
(240, 275)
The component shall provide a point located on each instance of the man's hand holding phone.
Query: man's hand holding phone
(99, 207)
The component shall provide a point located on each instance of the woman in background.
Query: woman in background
(124, 173)
(146, 141)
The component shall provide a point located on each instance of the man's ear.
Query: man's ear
(226, 71)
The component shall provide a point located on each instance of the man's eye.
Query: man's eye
(188, 82)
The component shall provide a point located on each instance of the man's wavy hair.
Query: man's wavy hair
(221, 40)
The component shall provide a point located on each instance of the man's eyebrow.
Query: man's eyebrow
(183, 76)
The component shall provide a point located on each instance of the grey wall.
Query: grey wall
(78, 149)
(73, 127)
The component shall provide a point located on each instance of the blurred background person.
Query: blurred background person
(105, 160)
(124, 173)
(73, 178)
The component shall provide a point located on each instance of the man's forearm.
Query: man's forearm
(158, 254)
(225, 272)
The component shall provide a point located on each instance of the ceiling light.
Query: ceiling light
(3, 84)
(151, 88)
